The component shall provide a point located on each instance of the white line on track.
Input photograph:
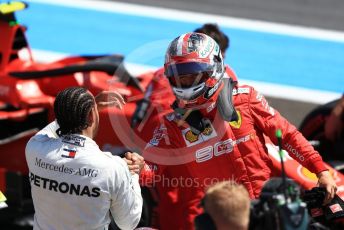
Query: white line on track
(268, 89)
(187, 16)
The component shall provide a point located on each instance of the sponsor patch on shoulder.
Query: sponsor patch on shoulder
(241, 90)
(74, 140)
(265, 104)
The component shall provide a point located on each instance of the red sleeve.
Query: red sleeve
(149, 174)
(155, 135)
(158, 154)
(269, 120)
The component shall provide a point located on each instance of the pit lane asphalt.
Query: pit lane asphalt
(327, 14)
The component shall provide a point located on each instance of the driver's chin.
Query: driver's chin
(195, 106)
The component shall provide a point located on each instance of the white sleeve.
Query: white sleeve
(126, 207)
(49, 130)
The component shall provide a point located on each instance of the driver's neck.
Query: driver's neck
(88, 132)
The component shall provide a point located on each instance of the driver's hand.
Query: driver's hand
(109, 98)
(326, 181)
(135, 162)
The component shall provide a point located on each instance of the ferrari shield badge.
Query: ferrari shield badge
(236, 124)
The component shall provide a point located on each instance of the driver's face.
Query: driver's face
(189, 80)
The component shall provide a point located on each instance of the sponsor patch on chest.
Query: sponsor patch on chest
(191, 139)
(158, 134)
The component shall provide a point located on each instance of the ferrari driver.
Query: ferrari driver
(159, 95)
(74, 184)
(216, 132)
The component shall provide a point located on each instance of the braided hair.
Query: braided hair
(213, 31)
(72, 107)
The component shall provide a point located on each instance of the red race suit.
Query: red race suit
(180, 164)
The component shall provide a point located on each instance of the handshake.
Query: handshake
(135, 162)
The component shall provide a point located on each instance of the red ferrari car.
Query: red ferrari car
(27, 92)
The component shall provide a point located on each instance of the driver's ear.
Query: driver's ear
(223, 55)
(91, 116)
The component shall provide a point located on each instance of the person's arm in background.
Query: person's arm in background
(334, 123)
(109, 98)
(269, 120)
(126, 199)
(103, 100)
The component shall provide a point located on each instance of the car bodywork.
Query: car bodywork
(27, 92)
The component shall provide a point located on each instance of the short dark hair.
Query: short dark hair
(72, 107)
(213, 31)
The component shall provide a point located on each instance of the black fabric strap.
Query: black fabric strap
(225, 101)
